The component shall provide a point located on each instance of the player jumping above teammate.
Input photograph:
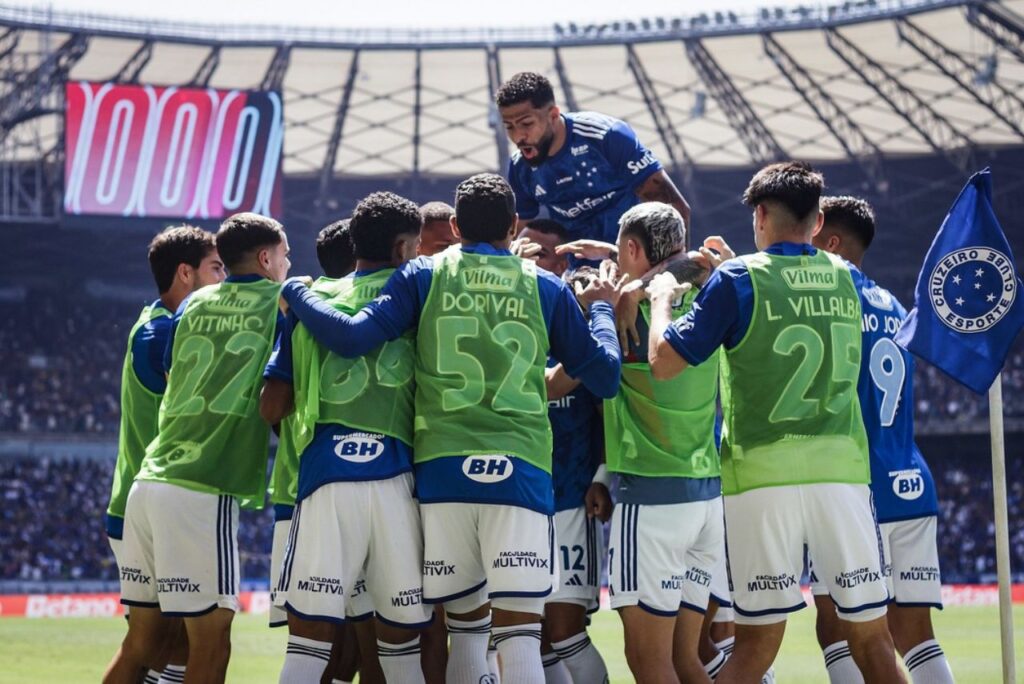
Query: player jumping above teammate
(182, 260)
(585, 167)
(901, 483)
(485, 320)
(794, 452)
(180, 555)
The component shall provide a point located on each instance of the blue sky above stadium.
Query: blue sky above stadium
(407, 13)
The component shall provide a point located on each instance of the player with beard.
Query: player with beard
(586, 168)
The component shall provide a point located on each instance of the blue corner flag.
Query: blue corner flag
(967, 304)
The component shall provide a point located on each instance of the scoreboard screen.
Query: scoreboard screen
(194, 153)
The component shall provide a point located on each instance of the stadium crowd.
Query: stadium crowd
(62, 373)
(73, 546)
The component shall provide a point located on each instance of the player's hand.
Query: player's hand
(588, 249)
(524, 248)
(715, 251)
(607, 286)
(598, 502)
(305, 280)
(626, 312)
(665, 285)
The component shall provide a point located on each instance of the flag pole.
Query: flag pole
(995, 412)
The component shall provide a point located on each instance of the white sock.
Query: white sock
(582, 659)
(492, 662)
(340, 681)
(152, 677)
(305, 660)
(467, 658)
(172, 674)
(401, 662)
(726, 645)
(519, 647)
(716, 664)
(555, 671)
(927, 664)
(840, 665)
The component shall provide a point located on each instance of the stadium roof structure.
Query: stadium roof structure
(853, 82)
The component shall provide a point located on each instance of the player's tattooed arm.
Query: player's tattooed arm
(277, 400)
(660, 188)
(665, 361)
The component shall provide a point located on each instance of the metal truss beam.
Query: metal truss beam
(847, 133)
(752, 131)
(938, 132)
(493, 83)
(682, 163)
(1001, 25)
(417, 109)
(274, 77)
(1006, 106)
(8, 42)
(334, 142)
(205, 71)
(27, 99)
(132, 69)
(563, 78)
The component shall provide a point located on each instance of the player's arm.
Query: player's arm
(598, 499)
(559, 383)
(590, 353)
(277, 398)
(148, 348)
(659, 188)
(384, 319)
(665, 361)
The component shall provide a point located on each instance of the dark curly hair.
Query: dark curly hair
(850, 215)
(174, 246)
(525, 86)
(484, 208)
(242, 234)
(334, 249)
(794, 185)
(379, 220)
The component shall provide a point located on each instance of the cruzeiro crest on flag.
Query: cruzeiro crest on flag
(972, 288)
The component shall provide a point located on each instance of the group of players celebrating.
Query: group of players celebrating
(461, 397)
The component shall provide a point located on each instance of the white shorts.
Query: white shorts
(662, 557)
(278, 615)
(478, 552)
(578, 553)
(911, 563)
(358, 604)
(347, 530)
(766, 532)
(180, 550)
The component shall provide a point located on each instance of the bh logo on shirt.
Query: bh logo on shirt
(487, 469)
(907, 484)
(359, 447)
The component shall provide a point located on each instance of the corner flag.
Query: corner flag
(967, 304)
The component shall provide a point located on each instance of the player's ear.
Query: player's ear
(554, 113)
(455, 228)
(185, 273)
(512, 229)
(820, 221)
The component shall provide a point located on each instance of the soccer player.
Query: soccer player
(574, 412)
(794, 452)
(180, 555)
(901, 483)
(182, 260)
(437, 234)
(356, 511)
(585, 167)
(484, 320)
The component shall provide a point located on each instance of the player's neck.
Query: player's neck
(560, 136)
(371, 265)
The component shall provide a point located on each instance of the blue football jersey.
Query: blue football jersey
(900, 480)
(590, 182)
(578, 437)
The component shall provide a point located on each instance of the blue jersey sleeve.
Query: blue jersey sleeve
(280, 365)
(386, 318)
(716, 317)
(625, 152)
(169, 347)
(588, 353)
(526, 204)
(148, 348)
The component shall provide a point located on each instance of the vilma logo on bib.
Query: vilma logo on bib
(971, 289)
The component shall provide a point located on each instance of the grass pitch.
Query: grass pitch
(77, 650)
